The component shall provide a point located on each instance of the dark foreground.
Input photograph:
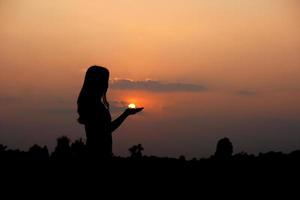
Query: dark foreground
(268, 174)
(69, 166)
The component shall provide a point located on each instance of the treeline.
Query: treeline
(66, 150)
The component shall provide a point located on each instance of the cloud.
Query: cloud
(155, 86)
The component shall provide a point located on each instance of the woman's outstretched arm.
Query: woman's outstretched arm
(117, 122)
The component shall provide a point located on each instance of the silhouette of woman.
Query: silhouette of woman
(93, 110)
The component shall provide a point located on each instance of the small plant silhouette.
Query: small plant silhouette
(136, 151)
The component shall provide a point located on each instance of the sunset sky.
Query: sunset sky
(203, 70)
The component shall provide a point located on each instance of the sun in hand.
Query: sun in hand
(132, 106)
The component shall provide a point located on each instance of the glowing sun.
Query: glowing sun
(132, 106)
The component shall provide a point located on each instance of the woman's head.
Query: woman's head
(96, 80)
(94, 88)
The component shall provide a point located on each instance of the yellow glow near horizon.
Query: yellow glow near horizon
(132, 106)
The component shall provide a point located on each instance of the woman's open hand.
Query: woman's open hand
(132, 111)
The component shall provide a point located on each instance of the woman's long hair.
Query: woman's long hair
(93, 91)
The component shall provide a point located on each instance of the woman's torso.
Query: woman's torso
(98, 131)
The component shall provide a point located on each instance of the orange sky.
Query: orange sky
(245, 53)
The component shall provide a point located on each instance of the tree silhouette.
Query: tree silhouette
(37, 152)
(136, 151)
(62, 150)
(78, 149)
(224, 149)
(2, 148)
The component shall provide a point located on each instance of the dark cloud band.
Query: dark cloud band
(155, 86)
